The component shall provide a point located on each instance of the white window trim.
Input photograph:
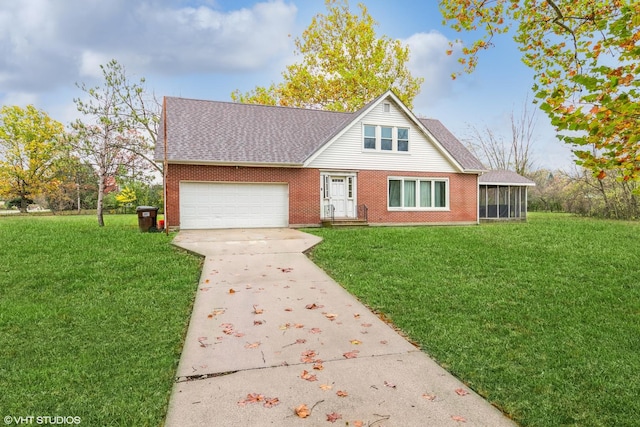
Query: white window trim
(445, 208)
(394, 140)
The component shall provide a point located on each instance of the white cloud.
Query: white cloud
(429, 60)
(49, 44)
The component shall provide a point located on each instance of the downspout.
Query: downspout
(165, 163)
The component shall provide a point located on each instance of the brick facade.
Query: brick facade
(304, 192)
(463, 198)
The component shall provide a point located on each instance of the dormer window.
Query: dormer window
(403, 139)
(385, 138)
(369, 137)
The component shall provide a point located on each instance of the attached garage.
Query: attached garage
(206, 205)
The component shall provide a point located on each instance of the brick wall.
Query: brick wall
(304, 187)
(463, 196)
(304, 192)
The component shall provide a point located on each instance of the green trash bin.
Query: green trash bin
(147, 218)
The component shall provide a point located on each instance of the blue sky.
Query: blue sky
(205, 49)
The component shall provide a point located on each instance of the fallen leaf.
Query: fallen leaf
(231, 291)
(351, 354)
(288, 309)
(285, 270)
(200, 339)
(271, 402)
(358, 423)
(207, 281)
(302, 411)
(333, 417)
(301, 341)
(326, 387)
(298, 326)
(257, 322)
(238, 334)
(461, 392)
(313, 306)
(429, 397)
(356, 316)
(366, 325)
(251, 398)
(318, 366)
(356, 342)
(248, 287)
(458, 418)
(257, 310)
(383, 342)
(205, 289)
(342, 393)
(252, 345)
(330, 316)
(388, 384)
(285, 326)
(308, 376)
(315, 330)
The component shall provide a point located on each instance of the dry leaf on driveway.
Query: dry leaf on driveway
(308, 376)
(333, 417)
(257, 310)
(326, 387)
(429, 397)
(271, 402)
(252, 345)
(458, 418)
(313, 306)
(461, 392)
(351, 354)
(342, 393)
(302, 411)
(330, 316)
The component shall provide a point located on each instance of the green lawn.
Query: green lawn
(541, 318)
(91, 319)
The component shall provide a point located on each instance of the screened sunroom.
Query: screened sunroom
(503, 196)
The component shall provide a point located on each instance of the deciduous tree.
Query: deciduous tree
(586, 59)
(344, 65)
(30, 146)
(120, 127)
(513, 153)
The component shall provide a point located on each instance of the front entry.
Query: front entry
(338, 196)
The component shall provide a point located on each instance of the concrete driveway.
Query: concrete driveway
(270, 331)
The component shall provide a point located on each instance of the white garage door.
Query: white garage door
(233, 205)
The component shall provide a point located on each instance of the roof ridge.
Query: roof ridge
(248, 104)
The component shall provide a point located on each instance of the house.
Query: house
(503, 196)
(231, 165)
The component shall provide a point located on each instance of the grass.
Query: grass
(91, 319)
(541, 318)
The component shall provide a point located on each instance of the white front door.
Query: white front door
(339, 196)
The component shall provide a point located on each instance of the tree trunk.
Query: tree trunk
(100, 199)
(23, 204)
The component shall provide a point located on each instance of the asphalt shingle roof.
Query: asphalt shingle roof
(226, 132)
(504, 177)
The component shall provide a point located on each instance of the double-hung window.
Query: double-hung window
(386, 138)
(369, 137)
(418, 194)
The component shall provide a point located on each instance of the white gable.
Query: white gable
(347, 150)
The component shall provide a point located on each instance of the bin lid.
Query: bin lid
(146, 208)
